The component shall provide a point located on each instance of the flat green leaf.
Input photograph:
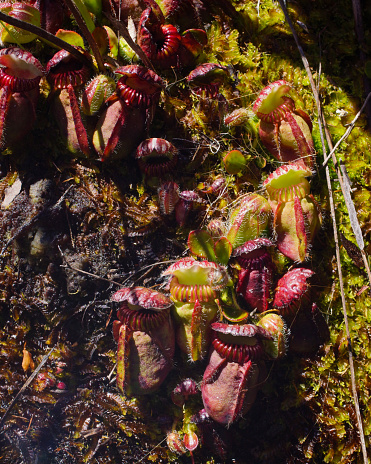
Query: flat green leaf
(234, 162)
(94, 6)
(113, 44)
(223, 250)
(201, 244)
(71, 37)
(85, 14)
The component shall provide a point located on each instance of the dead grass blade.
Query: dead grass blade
(348, 131)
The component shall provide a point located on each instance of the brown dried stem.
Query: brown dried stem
(135, 47)
(87, 34)
(67, 265)
(345, 187)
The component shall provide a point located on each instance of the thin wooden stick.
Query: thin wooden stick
(337, 248)
(87, 34)
(25, 385)
(67, 265)
(345, 187)
(350, 350)
(89, 274)
(348, 131)
(135, 47)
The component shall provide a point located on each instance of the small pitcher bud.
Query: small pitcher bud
(96, 93)
(276, 326)
(156, 157)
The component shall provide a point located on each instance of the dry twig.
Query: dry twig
(135, 47)
(348, 131)
(25, 385)
(87, 34)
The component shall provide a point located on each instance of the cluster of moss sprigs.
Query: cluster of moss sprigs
(327, 387)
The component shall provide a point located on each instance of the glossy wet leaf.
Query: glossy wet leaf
(95, 6)
(71, 37)
(223, 250)
(201, 244)
(234, 162)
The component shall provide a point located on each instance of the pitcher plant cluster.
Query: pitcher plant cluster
(229, 308)
(226, 308)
